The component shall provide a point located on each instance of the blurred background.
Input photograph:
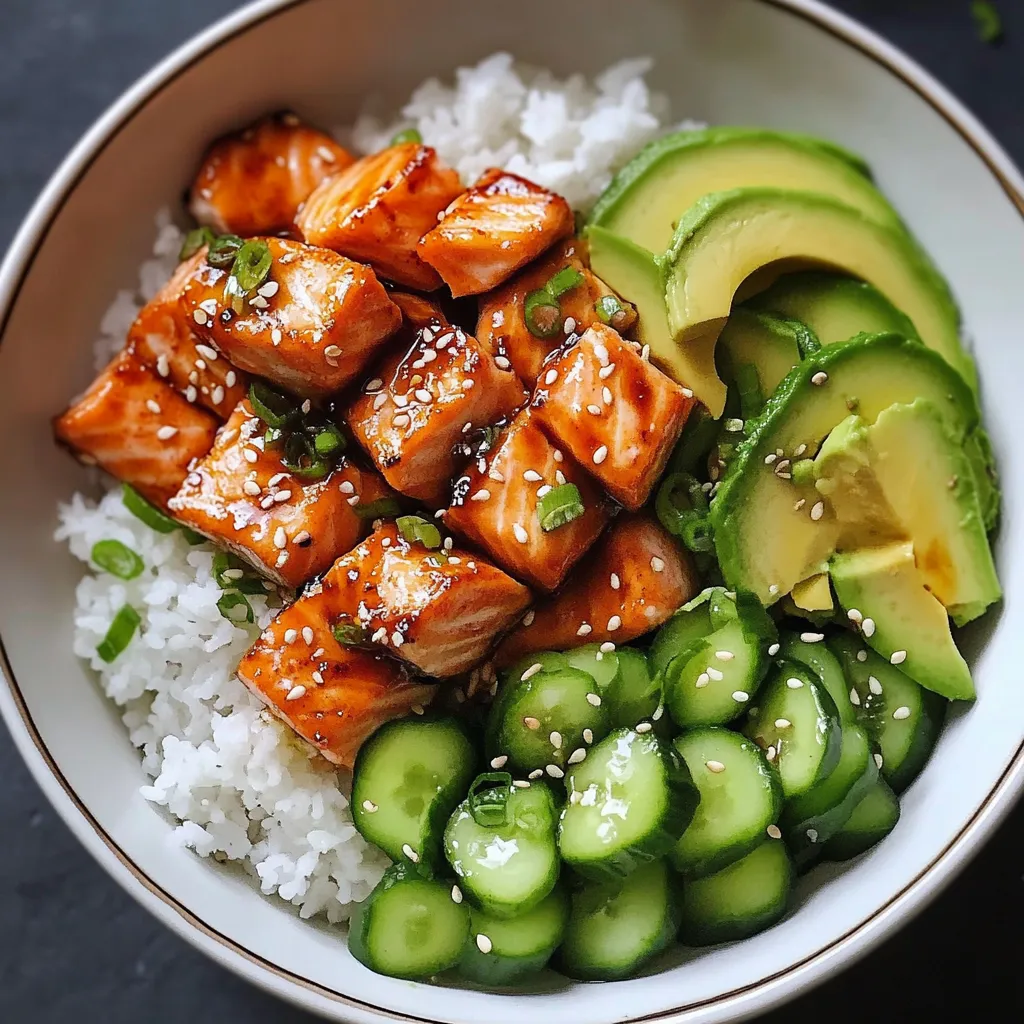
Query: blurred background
(73, 947)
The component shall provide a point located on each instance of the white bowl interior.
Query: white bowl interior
(734, 61)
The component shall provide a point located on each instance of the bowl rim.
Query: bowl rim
(737, 1004)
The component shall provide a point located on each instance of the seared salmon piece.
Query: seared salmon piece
(634, 578)
(312, 326)
(163, 339)
(422, 402)
(244, 498)
(502, 321)
(137, 428)
(502, 223)
(378, 209)
(333, 696)
(253, 182)
(497, 506)
(441, 611)
(419, 312)
(618, 415)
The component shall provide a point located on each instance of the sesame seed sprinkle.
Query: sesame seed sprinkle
(600, 455)
(615, 582)
(606, 371)
(410, 853)
(874, 686)
(578, 755)
(166, 433)
(724, 655)
(782, 723)
(702, 680)
(657, 564)
(500, 761)
(588, 736)
(307, 634)
(296, 692)
(520, 534)
(370, 807)
(280, 538)
(607, 647)
(613, 623)
(854, 697)
(536, 773)
(812, 835)
(290, 636)
(484, 944)
(520, 784)
(793, 683)
(821, 377)
(531, 723)
(555, 739)
(773, 650)
(862, 656)
(585, 629)
(153, 407)
(868, 628)
(812, 638)
(251, 488)
(607, 396)
(593, 700)
(898, 657)
(554, 771)
(594, 410)
(643, 727)
(817, 510)
(878, 761)
(716, 767)
(855, 616)
(774, 832)
(550, 377)
(482, 495)
(740, 696)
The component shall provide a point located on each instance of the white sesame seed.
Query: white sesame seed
(645, 353)
(812, 638)
(588, 736)
(607, 647)
(878, 761)
(500, 761)
(531, 723)
(868, 628)
(643, 727)
(280, 538)
(769, 459)
(207, 353)
(282, 496)
(821, 377)
(217, 395)
(163, 366)
(380, 636)
(613, 623)
(593, 700)
(594, 410)
(251, 488)
(715, 674)
(817, 510)
(854, 697)
(153, 407)
(200, 317)
(518, 783)
(290, 636)
(898, 657)
(793, 683)
(606, 371)
(600, 455)
(482, 495)
(812, 834)
(797, 505)
(401, 420)
(782, 723)
(484, 944)
(557, 455)
(397, 639)
(578, 755)
(456, 894)
(734, 426)
(250, 455)
(770, 753)
(370, 807)
(191, 394)
(585, 629)
(724, 655)
(423, 395)
(740, 696)
(332, 352)
(275, 335)
(607, 396)
(569, 326)
(536, 773)
(615, 582)
(550, 377)
(657, 564)
(874, 686)
(555, 739)
(715, 767)
(773, 650)
(862, 656)
(702, 680)
(410, 853)
(166, 433)
(296, 692)
(307, 634)
(601, 353)
(559, 478)
(774, 832)
(502, 363)
(318, 677)
(302, 537)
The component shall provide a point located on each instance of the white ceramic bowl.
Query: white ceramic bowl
(791, 63)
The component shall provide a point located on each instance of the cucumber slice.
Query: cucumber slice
(825, 665)
(740, 797)
(745, 898)
(539, 722)
(407, 779)
(872, 820)
(635, 694)
(629, 803)
(603, 666)
(901, 716)
(509, 868)
(615, 927)
(814, 818)
(797, 725)
(548, 660)
(515, 946)
(409, 926)
(691, 623)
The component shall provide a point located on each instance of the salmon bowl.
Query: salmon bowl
(592, 593)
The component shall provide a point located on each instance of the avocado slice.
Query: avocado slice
(986, 477)
(814, 594)
(766, 535)
(645, 199)
(833, 306)
(910, 625)
(727, 236)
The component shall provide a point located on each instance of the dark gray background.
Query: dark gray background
(73, 947)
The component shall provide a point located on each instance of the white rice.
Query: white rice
(240, 785)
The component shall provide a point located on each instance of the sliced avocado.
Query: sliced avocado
(986, 476)
(910, 626)
(646, 198)
(814, 594)
(833, 306)
(769, 531)
(727, 236)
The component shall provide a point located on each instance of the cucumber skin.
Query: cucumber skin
(430, 843)
(846, 845)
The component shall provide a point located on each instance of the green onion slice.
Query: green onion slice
(275, 409)
(252, 265)
(234, 607)
(223, 250)
(542, 313)
(680, 500)
(488, 799)
(153, 517)
(351, 634)
(607, 307)
(564, 281)
(382, 508)
(194, 241)
(120, 634)
(301, 459)
(697, 534)
(416, 528)
(231, 573)
(330, 441)
(560, 506)
(118, 559)
(408, 135)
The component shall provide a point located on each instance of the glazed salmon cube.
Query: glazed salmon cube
(137, 428)
(440, 610)
(163, 339)
(618, 415)
(312, 326)
(378, 209)
(502, 223)
(244, 498)
(497, 506)
(631, 582)
(419, 312)
(333, 696)
(502, 321)
(420, 404)
(253, 182)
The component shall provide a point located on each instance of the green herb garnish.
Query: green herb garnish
(560, 506)
(223, 250)
(488, 799)
(564, 281)
(120, 634)
(607, 308)
(275, 409)
(542, 313)
(407, 135)
(118, 559)
(149, 514)
(680, 500)
(330, 441)
(248, 271)
(194, 241)
(987, 20)
(351, 634)
(417, 529)
(231, 573)
(382, 508)
(235, 608)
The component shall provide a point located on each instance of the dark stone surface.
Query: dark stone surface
(73, 946)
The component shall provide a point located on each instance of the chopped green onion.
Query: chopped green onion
(235, 608)
(408, 135)
(382, 508)
(252, 265)
(118, 559)
(223, 250)
(748, 385)
(695, 443)
(987, 20)
(194, 241)
(231, 573)
(192, 537)
(803, 472)
(273, 435)
(301, 459)
(416, 528)
(275, 409)
(564, 281)
(350, 634)
(697, 534)
(489, 806)
(542, 313)
(680, 500)
(607, 308)
(560, 506)
(120, 634)
(149, 514)
(330, 441)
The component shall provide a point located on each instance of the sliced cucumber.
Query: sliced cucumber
(691, 623)
(407, 778)
(635, 694)
(505, 868)
(902, 717)
(539, 722)
(798, 727)
(603, 666)
(740, 797)
(872, 820)
(615, 927)
(629, 803)
(745, 898)
(548, 660)
(409, 926)
(515, 946)
(814, 818)
(825, 666)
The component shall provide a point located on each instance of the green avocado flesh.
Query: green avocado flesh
(766, 343)
(648, 196)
